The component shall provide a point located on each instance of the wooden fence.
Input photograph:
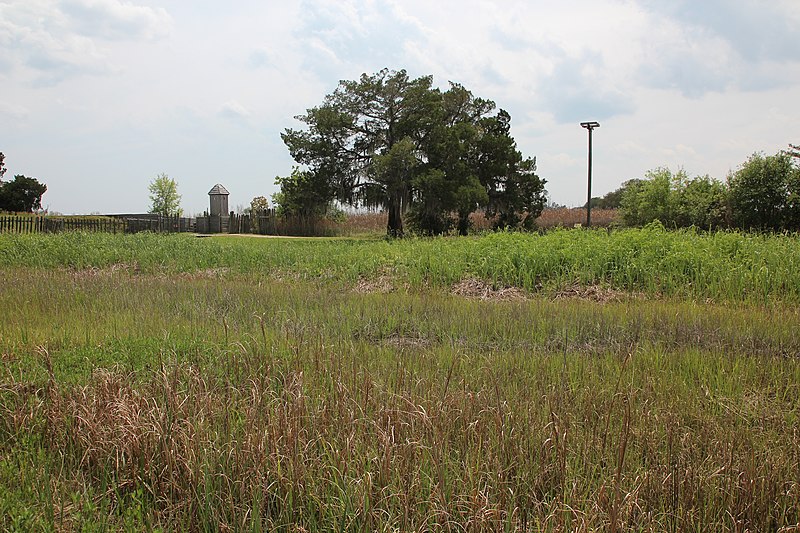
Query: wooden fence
(22, 223)
(158, 224)
(262, 223)
(46, 224)
(269, 223)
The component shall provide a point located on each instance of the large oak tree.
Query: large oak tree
(423, 154)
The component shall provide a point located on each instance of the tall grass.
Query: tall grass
(205, 401)
(724, 266)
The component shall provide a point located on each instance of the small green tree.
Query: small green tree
(258, 206)
(303, 193)
(524, 196)
(652, 198)
(22, 194)
(611, 200)
(765, 193)
(674, 200)
(516, 192)
(164, 197)
(702, 202)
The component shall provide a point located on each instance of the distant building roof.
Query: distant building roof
(218, 189)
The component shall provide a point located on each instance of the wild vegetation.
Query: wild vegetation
(429, 157)
(372, 224)
(721, 266)
(763, 194)
(429, 384)
(432, 159)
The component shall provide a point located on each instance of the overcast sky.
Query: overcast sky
(99, 96)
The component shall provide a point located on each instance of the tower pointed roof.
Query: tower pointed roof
(218, 189)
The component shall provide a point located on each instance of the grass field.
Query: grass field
(634, 380)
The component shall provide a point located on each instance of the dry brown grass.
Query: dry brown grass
(206, 453)
(479, 289)
(556, 218)
(372, 223)
(375, 223)
(571, 217)
(382, 284)
(414, 453)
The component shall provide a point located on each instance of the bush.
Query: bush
(702, 202)
(675, 201)
(765, 193)
(650, 199)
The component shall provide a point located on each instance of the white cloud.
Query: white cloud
(262, 58)
(562, 160)
(112, 19)
(679, 151)
(202, 89)
(52, 41)
(714, 45)
(235, 110)
(755, 29)
(629, 148)
(13, 111)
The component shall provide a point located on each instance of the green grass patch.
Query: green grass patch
(720, 266)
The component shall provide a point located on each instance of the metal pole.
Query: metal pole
(589, 194)
(589, 126)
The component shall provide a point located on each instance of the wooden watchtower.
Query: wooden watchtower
(218, 219)
(218, 196)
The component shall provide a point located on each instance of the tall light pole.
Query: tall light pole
(589, 126)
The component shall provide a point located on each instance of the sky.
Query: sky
(98, 97)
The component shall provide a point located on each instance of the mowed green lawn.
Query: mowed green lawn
(634, 380)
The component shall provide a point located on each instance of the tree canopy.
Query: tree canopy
(765, 193)
(259, 204)
(303, 193)
(164, 196)
(423, 154)
(22, 194)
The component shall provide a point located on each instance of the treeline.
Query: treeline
(762, 195)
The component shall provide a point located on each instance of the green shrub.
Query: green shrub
(765, 193)
(675, 201)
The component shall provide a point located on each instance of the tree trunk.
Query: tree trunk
(394, 227)
(463, 223)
